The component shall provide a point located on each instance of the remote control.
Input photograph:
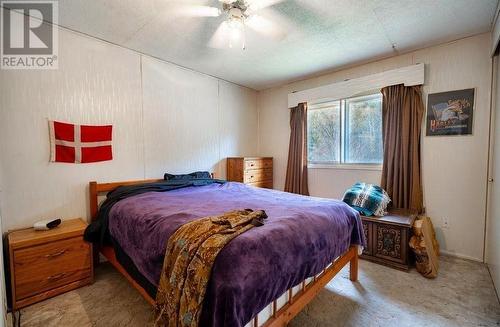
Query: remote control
(47, 224)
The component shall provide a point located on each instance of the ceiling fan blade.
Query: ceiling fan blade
(266, 27)
(321, 7)
(255, 5)
(190, 10)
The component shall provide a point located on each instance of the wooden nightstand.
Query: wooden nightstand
(47, 263)
(388, 237)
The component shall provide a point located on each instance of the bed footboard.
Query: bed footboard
(282, 310)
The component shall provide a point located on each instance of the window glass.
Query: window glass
(346, 131)
(323, 133)
(363, 130)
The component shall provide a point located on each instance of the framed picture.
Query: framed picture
(450, 113)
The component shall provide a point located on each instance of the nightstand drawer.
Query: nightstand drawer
(252, 176)
(44, 267)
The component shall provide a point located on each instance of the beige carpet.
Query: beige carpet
(462, 295)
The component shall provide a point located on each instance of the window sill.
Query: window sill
(374, 167)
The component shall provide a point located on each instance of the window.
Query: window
(346, 131)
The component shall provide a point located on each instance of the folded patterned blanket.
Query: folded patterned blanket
(190, 255)
(368, 199)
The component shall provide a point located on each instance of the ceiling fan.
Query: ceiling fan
(237, 14)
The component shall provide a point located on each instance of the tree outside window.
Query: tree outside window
(346, 131)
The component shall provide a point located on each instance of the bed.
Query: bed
(263, 277)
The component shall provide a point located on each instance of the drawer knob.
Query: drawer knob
(56, 276)
(56, 254)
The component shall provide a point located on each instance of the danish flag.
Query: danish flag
(80, 143)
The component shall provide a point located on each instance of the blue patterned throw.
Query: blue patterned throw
(368, 199)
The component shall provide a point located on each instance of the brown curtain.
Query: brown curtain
(402, 113)
(296, 171)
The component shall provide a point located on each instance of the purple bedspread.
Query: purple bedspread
(300, 238)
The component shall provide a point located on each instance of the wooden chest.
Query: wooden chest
(388, 238)
(256, 171)
(46, 263)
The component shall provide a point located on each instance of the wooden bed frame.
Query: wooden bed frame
(280, 316)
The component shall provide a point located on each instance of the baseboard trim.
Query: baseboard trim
(460, 256)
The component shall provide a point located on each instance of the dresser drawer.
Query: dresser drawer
(258, 164)
(47, 266)
(263, 184)
(257, 175)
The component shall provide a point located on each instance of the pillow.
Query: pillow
(187, 177)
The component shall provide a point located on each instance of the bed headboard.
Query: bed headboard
(96, 189)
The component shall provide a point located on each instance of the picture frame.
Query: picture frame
(450, 113)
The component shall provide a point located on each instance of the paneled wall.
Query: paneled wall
(454, 168)
(165, 118)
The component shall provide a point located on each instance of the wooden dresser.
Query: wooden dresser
(388, 238)
(256, 171)
(46, 263)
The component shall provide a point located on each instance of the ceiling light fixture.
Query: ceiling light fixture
(236, 28)
(237, 16)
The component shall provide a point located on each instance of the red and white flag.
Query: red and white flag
(80, 143)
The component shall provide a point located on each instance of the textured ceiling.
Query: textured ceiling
(322, 34)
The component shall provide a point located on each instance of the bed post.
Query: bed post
(353, 265)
